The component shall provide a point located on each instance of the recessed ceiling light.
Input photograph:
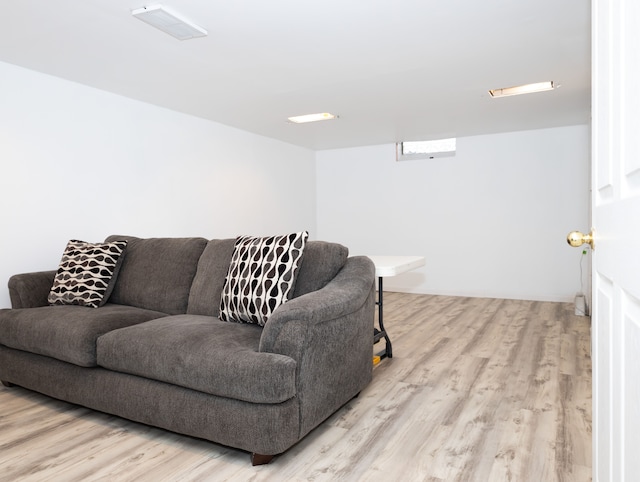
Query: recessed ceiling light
(522, 89)
(301, 119)
(169, 22)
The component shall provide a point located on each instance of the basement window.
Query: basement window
(414, 150)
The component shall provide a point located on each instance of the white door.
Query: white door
(616, 258)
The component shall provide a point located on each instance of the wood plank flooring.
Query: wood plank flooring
(478, 390)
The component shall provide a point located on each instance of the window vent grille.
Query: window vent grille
(413, 150)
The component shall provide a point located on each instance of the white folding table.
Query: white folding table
(390, 266)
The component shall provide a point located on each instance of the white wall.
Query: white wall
(77, 162)
(491, 221)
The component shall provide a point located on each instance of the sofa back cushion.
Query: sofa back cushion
(320, 263)
(157, 273)
(204, 298)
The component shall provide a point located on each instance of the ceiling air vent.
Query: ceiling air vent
(413, 150)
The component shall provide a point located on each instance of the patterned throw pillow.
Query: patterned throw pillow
(261, 276)
(87, 273)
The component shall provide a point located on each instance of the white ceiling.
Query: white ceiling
(392, 70)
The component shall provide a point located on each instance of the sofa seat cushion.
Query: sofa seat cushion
(201, 353)
(67, 332)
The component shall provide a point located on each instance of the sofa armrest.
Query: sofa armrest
(342, 296)
(29, 290)
(329, 333)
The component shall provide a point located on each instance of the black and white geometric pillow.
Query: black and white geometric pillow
(87, 273)
(261, 276)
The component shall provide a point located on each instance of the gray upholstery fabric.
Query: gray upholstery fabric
(67, 332)
(320, 263)
(312, 356)
(204, 298)
(29, 290)
(202, 353)
(329, 334)
(156, 273)
(260, 428)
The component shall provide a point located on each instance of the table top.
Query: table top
(395, 265)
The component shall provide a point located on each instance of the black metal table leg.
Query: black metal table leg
(378, 334)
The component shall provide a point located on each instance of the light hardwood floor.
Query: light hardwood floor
(478, 390)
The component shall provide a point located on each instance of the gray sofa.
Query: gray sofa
(156, 352)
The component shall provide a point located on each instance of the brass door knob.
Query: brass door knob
(576, 239)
